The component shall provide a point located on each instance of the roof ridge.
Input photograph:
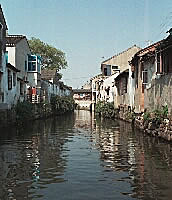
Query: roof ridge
(120, 53)
(1, 10)
(155, 43)
(21, 36)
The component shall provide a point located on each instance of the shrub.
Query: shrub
(62, 104)
(24, 111)
(146, 116)
(106, 110)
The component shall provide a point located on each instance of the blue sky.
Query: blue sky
(87, 30)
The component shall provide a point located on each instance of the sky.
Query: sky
(89, 31)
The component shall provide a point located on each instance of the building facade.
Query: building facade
(3, 69)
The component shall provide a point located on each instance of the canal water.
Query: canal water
(79, 157)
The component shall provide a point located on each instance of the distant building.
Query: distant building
(51, 86)
(104, 86)
(83, 98)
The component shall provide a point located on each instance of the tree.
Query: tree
(52, 58)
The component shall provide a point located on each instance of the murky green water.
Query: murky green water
(79, 158)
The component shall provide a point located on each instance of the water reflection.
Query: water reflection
(79, 156)
(32, 154)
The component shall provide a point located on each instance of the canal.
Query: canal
(78, 157)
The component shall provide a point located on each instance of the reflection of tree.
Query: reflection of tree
(34, 153)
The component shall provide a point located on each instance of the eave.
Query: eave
(12, 67)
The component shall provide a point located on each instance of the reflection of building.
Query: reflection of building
(84, 120)
(34, 155)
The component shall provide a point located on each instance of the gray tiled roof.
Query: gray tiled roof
(48, 74)
(12, 40)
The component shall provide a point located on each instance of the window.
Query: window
(31, 66)
(167, 61)
(9, 80)
(145, 77)
(159, 63)
(0, 82)
(164, 61)
(25, 65)
(1, 31)
(108, 91)
(21, 88)
(39, 64)
(136, 74)
(125, 83)
(32, 63)
(105, 71)
(6, 57)
(14, 79)
(122, 85)
(114, 67)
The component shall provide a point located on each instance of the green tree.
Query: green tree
(52, 58)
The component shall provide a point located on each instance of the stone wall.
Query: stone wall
(162, 130)
(8, 116)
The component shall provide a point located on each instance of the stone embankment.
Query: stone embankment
(157, 123)
(25, 111)
(161, 130)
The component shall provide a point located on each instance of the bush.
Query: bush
(146, 116)
(62, 104)
(24, 111)
(106, 110)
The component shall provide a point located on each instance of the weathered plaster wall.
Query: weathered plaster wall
(22, 51)
(123, 99)
(131, 88)
(33, 79)
(139, 95)
(108, 82)
(122, 58)
(4, 85)
(11, 55)
(159, 93)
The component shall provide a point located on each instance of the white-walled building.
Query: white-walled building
(51, 86)
(17, 51)
(3, 69)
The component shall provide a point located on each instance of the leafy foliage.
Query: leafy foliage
(52, 58)
(62, 104)
(106, 110)
(24, 111)
(130, 115)
(146, 116)
(157, 116)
